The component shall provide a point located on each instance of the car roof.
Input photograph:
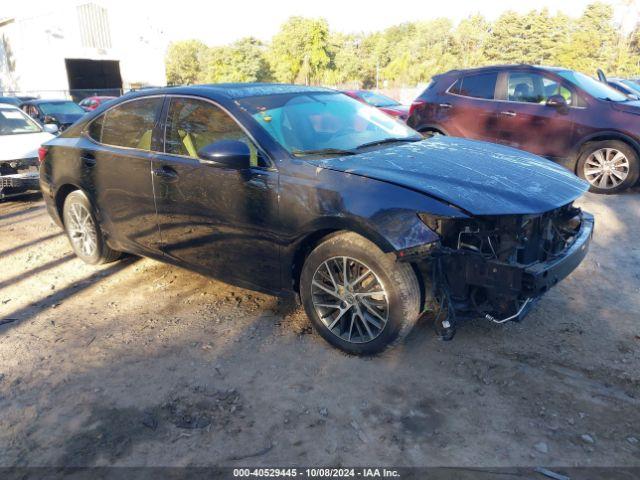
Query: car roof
(508, 66)
(8, 106)
(99, 97)
(232, 90)
(44, 100)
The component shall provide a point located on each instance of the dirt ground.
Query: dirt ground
(141, 363)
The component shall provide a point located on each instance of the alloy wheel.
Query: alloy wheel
(606, 168)
(82, 230)
(350, 299)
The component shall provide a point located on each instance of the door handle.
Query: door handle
(508, 113)
(166, 173)
(88, 159)
(444, 105)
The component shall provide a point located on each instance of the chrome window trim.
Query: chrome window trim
(467, 96)
(85, 130)
(500, 100)
(156, 152)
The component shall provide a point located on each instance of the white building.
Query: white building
(79, 50)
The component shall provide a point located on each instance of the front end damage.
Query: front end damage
(497, 267)
(18, 176)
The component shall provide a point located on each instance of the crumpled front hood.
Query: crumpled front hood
(481, 178)
(22, 145)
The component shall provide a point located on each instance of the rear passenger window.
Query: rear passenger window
(95, 129)
(481, 85)
(128, 125)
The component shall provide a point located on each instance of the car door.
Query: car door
(525, 121)
(116, 163)
(215, 219)
(467, 108)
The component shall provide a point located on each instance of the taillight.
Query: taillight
(415, 104)
(42, 152)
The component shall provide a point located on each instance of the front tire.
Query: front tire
(83, 230)
(358, 298)
(610, 166)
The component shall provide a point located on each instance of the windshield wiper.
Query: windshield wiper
(388, 140)
(323, 151)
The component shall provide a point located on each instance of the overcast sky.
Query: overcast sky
(221, 22)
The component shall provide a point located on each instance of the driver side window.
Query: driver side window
(193, 124)
(527, 87)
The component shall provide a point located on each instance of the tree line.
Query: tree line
(306, 51)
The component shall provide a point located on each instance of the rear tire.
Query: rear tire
(610, 166)
(83, 230)
(374, 309)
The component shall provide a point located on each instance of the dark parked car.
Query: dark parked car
(62, 113)
(91, 103)
(15, 101)
(300, 190)
(566, 116)
(628, 87)
(387, 104)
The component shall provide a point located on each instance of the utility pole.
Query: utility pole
(377, 74)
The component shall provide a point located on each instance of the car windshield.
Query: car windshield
(14, 122)
(593, 87)
(58, 108)
(377, 100)
(632, 85)
(324, 123)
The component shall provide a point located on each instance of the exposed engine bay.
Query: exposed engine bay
(496, 267)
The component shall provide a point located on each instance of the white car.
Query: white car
(20, 138)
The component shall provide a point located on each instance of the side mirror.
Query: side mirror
(557, 101)
(51, 128)
(227, 153)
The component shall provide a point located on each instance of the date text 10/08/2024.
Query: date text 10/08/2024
(316, 472)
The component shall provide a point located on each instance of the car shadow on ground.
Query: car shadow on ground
(142, 363)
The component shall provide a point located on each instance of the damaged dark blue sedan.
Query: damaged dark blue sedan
(300, 190)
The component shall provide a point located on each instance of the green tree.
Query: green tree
(592, 42)
(470, 41)
(300, 50)
(242, 61)
(346, 60)
(305, 51)
(183, 62)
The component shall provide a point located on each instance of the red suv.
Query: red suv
(387, 104)
(560, 114)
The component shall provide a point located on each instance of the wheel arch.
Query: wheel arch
(305, 245)
(60, 196)
(599, 137)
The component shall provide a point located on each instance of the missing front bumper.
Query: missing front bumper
(474, 286)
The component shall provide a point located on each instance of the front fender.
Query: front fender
(318, 201)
